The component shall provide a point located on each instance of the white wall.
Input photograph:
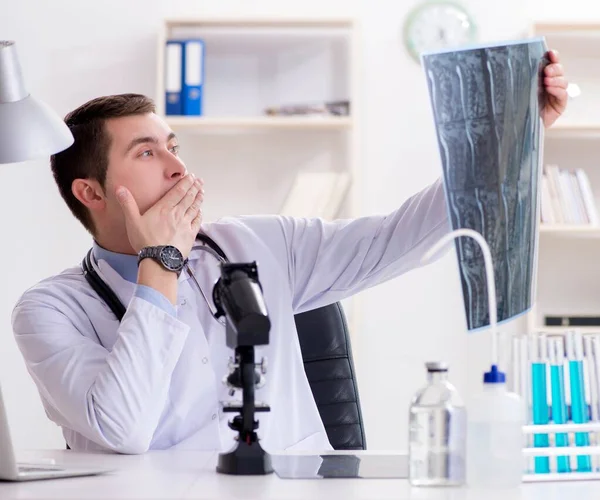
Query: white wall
(74, 50)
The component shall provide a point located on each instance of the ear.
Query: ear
(89, 193)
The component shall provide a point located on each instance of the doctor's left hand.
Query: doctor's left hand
(555, 85)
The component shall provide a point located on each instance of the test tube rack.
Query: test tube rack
(571, 451)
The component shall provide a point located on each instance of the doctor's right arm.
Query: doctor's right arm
(115, 398)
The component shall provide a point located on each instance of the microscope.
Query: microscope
(238, 296)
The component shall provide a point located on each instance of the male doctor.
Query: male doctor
(154, 380)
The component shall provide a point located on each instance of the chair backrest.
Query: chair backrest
(329, 366)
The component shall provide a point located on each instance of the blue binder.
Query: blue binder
(193, 77)
(174, 77)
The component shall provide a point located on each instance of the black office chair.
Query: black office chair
(329, 366)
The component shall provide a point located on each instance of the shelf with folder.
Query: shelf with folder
(251, 65)
(209, 123)
(263, 77)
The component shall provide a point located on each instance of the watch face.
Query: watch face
(437, 25)
(171, 257)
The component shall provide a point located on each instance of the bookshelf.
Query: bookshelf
(255, 161)
(568, 275)
(255, 64)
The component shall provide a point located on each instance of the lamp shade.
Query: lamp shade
(29, 128)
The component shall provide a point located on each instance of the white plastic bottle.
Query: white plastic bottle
(495, 437)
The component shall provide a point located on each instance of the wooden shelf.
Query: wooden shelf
(569, 129)
(260, 22)
(561, 330)
(571, 231)
(579, 27)
(210, 124)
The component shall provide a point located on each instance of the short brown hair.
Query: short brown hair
(87, 158)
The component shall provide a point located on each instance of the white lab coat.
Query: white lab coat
(154, 381)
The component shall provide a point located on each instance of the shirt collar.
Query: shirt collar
(124, 264)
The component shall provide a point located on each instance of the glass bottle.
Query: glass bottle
(437, 432)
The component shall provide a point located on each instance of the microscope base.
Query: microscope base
(245, 460)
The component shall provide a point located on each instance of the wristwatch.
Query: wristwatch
(166, 255)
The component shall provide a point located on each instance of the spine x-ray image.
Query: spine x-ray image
(486, 104)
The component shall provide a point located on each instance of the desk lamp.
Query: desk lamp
(29, 128)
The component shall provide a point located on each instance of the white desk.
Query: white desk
(190, 475)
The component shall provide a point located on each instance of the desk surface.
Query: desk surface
(190, 475)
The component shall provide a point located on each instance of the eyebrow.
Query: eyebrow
(147, 139)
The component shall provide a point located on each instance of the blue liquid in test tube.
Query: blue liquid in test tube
(556, 351)
(574, 342)
(539, 397)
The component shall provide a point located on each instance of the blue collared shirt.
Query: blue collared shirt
(127, 267)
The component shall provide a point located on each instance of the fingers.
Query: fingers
(560, 94)
(187, 200)
(128, 203)
(556, 81)
(554, 70)
(553, 55)
(196, 206)
(197, 222)
(178, 192)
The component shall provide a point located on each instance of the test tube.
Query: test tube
(556, 358)
(579, 413)
(538, 351)
(595, 370)
(592, 380)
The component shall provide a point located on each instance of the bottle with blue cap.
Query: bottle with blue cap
(495, 438)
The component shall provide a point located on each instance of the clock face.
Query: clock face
(437, 25)
(172, 257)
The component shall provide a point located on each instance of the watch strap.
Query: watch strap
(150, 252)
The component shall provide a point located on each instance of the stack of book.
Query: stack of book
(567, 197)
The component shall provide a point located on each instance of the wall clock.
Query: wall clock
(437, 24)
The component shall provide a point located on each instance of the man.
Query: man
(154, 379)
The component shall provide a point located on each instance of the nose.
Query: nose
(175, 168)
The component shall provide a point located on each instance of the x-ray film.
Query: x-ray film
(486, 104)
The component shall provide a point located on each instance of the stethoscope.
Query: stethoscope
(222, 260)
(92, 275)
